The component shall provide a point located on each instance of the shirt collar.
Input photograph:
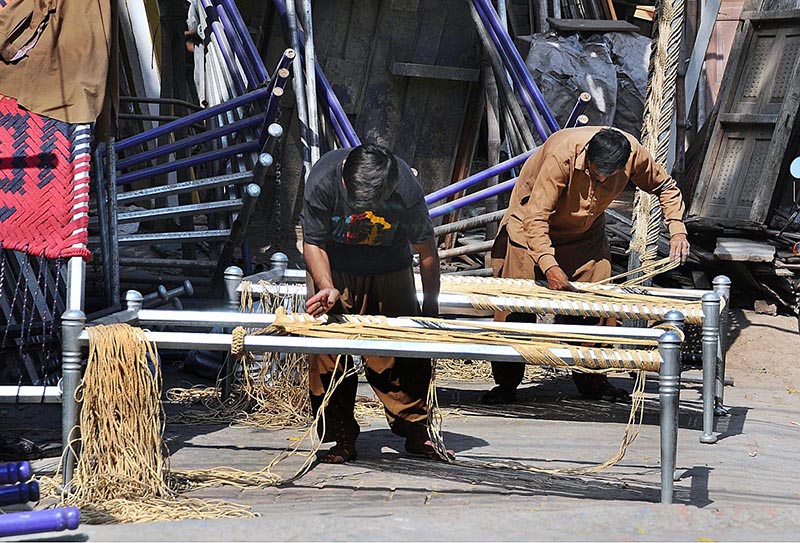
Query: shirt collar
(580, 160)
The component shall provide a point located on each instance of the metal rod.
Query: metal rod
(299, 89)
(522, 90)
(502, 79)
(239, 227)
(225, 49)
(722, 286)
(472, 248)
(710, 334)
(72, 323)
(351, 139)
(185, 186)
(29, 394)
(469, 224)
(369, 347)
(166, 263)
(138, 139)
(668, 391)
(582, 120)
(472, 198)
(232, 278)
(474, 179)
(113, 209)
(580, 107)
(517, 64)
(180, 211)
(210, 156)
(169, 101)
(191, 141)
(311, 88)
(166, 237)
(102, 216)
(245, 60)
(241, 27)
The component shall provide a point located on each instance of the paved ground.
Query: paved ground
(745, 487)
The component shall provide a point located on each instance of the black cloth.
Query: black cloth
(370, 243)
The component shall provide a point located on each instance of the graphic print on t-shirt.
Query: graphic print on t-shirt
(362, 229)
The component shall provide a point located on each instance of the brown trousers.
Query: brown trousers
(401, 384)
(584, 259)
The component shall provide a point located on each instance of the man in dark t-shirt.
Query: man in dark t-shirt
(363, 212)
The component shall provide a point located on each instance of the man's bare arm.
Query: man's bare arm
(319, 267)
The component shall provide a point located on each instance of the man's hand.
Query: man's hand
(322, 301)
(678, 248)
(557, 279)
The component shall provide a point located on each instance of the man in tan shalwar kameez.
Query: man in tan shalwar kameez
(554, 227)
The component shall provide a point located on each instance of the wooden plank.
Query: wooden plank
(429, 71)
(772, 16)
(747, 118)
(591, 25)
(743, 250)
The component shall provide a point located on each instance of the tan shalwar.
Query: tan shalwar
(555, 216)
(401, 384)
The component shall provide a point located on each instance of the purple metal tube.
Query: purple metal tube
(19, 493)
(233, 38)
(192, 118)
(224, 46)
(14, 472)
(283, 64)
(520, 87)
(271, 115)
(580, 107)
(185, 143)
(472, 198)
(244, 34)
(35, 522)
(477, 178)
(176, 165)
(334, 105)
(489, 14)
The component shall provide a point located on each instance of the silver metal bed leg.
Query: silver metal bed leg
(676, 319)
(279, 261)
(669, 345)
(72, 323)
(232, 278)
(134, 300)
(722, 286)
(711, 340)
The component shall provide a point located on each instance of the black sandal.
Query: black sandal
(597, 387)
(499, 396)
(424, 449)
(338, 454)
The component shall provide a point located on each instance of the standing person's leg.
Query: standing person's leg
(516, 263)
(401, 383)
(340, 424)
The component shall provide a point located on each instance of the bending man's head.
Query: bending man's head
(608, 151)
(370, 176)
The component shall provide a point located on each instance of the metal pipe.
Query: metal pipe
(504, 85)
(181, 211)
(72, 324)
(30, 394)
(138, 139)
(272, 112)
(225, 49)
(669, 346)
(472, 198)
(468, 224)
(169, 101)
(580, 107)
(161, 237)
(710, 333)
(245, 60)
(232, 278)
(582, 120)
(167, 167)
(102, 216)
(517, 64)
(166, 263)
(34, 522)
(722, 286)
(239, 227)
(191, 141)
(185, 186)
(351, 139)
(311, 88)
(299, 89)
(241, 27)
(488, 173)
(113, 208)
(522, 90)
(472, 248)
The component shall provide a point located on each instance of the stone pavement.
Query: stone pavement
(743, 488)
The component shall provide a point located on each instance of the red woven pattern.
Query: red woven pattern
(44, 185)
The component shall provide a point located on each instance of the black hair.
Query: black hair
(370, 176)
(609, 150)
